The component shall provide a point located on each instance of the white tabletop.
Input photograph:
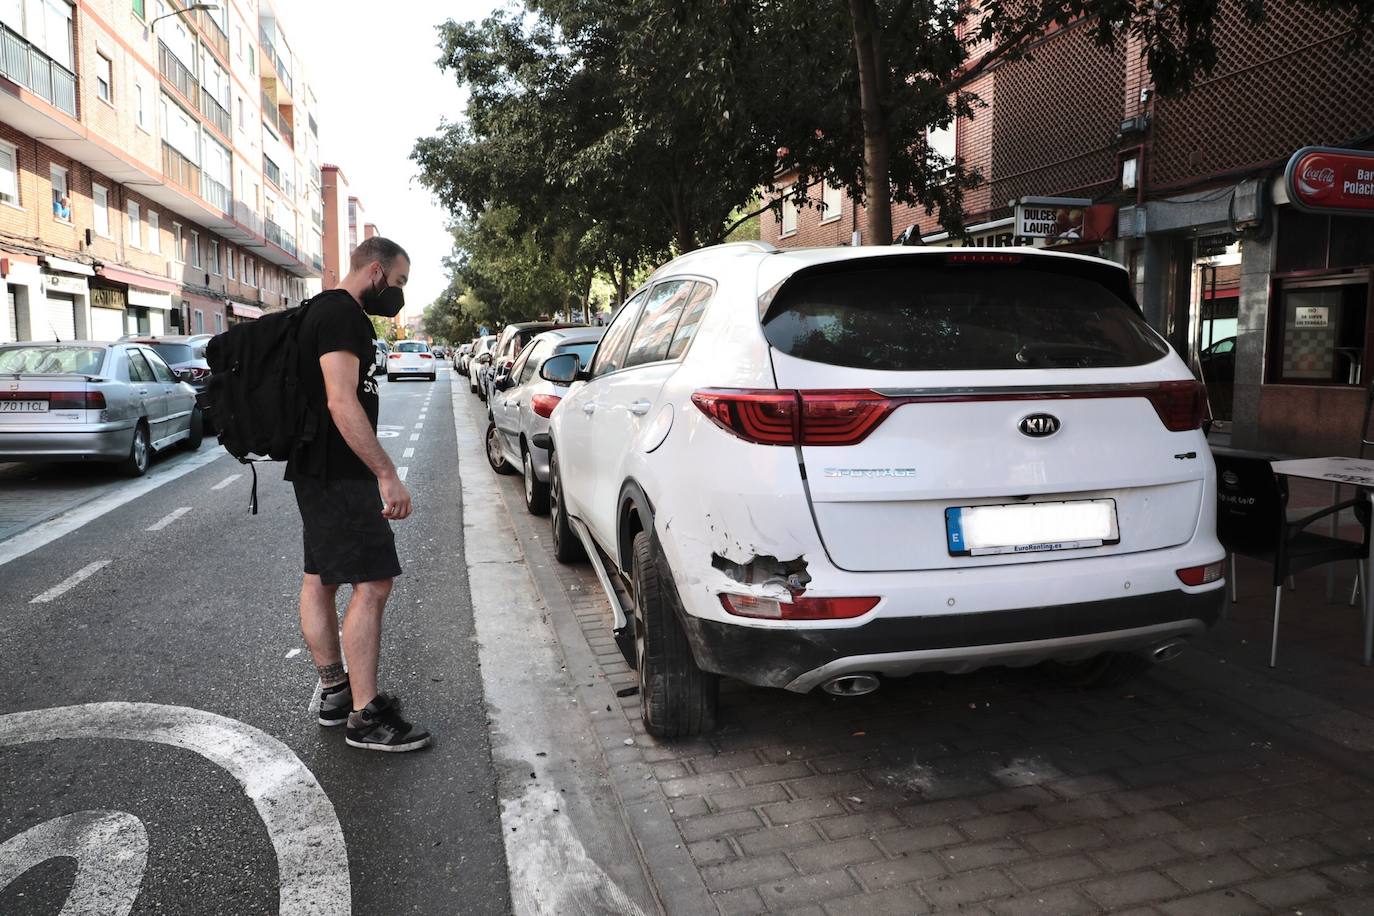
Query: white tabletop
(1357, 472)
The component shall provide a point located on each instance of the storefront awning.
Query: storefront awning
(245, 311)
(137, 279)
(68, 267)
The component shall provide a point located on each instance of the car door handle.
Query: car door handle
(143, 391)
(589, 408)
(640, 408)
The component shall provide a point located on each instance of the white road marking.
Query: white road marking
(226, 481)
(111, 853)
(312, 861)
(387, 434)
(293, 653)
(414, 437)
(71, 582)
(419, 426)
(168, 519)
(402, 471)
(28, 541)
(408, 453)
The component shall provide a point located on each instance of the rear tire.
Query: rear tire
(536, 493)
(1110, 669)
(566, 546)
(495, 457)
(676, 698)
(140, 452)
(193, 441)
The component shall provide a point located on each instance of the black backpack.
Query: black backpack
(253, 398)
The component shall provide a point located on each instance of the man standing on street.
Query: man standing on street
(348, 492)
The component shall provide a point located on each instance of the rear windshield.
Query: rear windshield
(177, 353)
(951, 317)
(412, 347)
(52, 360)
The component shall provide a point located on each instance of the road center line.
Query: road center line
(71, 582)
(402, 471)
(414, 437)
(226, 481)
(419, 426)
(408, 453)
(168, 519)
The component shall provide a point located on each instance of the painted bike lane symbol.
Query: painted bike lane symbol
(111, 847)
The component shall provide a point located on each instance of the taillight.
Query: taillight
(73, 400)
(800, 608)
(393, 356)
(1181, 405)
(1201, 575)
(426, 356)
(766, 417)
(841, 417)
(543, 404)
(198, 373)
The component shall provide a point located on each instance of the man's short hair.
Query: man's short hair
(376, 249)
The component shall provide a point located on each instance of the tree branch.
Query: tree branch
(774, 204)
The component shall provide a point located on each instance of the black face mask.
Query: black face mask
(386, 302)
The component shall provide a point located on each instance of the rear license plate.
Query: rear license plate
(1031, 527)
(31, 406)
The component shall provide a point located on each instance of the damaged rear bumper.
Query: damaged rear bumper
(799, 659)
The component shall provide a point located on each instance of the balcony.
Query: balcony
(269, 54)
(315, 174)
(179, 170)
(175, 72)
(317, 217)
(281, 239)
(216, 113)
(317, 262)
(36, 71)
(214, 193)
(213, 34)
(271, 171)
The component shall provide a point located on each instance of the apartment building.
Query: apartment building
(158, 168)
(1265, 285)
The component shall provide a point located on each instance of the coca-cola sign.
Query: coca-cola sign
(1326, 180)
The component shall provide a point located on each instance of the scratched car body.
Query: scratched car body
(817, 468)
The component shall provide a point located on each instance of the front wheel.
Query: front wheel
(566, 547)
(536, 492)
(140, 452)
(495, 457)
(197, 429)
(676, 698)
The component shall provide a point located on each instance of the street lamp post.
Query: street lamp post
(152, 25)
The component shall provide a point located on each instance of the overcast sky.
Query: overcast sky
(371, 66)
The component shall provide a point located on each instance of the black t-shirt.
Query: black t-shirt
(334, 322)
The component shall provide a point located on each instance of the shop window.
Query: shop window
(1322, 338)
(1312, 241)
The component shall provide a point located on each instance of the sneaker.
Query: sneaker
(335, 707)
(378, 726)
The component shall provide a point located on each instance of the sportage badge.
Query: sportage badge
(1039, 425)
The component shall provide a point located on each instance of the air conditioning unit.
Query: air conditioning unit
(1250, 208)
(1132, 126)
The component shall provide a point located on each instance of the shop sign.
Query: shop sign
(72, 286)
(1321, 179)
(1053, 219)
(107, 297)
(1310, 316)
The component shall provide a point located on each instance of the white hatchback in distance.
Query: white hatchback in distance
(410, 358)
(814, 468)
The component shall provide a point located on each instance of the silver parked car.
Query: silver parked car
(92, 401)
(521, 403)
(481, 356)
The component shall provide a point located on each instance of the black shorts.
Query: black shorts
(346, 537)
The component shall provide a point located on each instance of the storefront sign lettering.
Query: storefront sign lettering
(106, 297)
(75, 286)
(1310, 316)
(1053, 219)
(1326, 180)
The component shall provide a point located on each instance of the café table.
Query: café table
(1350, 472)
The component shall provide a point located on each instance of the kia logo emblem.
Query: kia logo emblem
(1039, 425)
(1231, 479)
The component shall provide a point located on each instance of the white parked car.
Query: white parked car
(520, 405)
(409, 358)
(481, 356)
(813, 468)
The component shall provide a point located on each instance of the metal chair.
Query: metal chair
(1252, 520)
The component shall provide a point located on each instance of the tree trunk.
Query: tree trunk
(877, 180)
(587, 297)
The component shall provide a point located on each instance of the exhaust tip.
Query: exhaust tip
(1166, 651)
(851, 685)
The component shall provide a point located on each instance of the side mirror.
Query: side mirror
(484, 358)
(561, 369)
(184, 375)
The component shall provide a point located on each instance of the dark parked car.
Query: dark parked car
(1219, 361)
(185, 354)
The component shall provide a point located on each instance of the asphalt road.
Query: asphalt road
(156, 709)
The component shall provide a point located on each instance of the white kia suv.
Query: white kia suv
(814, 468)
